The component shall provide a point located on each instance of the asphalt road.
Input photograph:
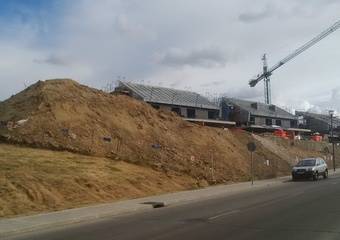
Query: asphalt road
(294, 210)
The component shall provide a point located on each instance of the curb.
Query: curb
(24, 224)
(12, 226)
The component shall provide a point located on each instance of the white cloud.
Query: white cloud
(258, 15)
(133, 29)
(210, 57)
(194, 44)
(53, 60)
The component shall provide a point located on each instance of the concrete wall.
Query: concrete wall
(200, 113)
(286, 124)
(238, 115)
(241, 117)
(317, 126)
(262, 121)
(184, 111)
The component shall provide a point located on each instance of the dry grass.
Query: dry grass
(34, 180)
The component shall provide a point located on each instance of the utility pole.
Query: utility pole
(331, 113)
(251, 148)
(212, 168)
(252, 168)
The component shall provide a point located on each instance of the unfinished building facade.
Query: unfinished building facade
(252, 114)
(186, 104)
(320, 123)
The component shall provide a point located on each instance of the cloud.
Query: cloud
(331, 102)
(335, 99)
(254, 16)
(290, 9)
(132, 29)
(255, 94)
(206, 47)
(53, 60)
(336, 94)
(212, 84)
(325, 102)
(309, 107)
(209, 57)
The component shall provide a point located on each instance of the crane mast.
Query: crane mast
(265, 75)
(267, 94)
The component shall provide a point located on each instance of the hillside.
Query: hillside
(62, 115)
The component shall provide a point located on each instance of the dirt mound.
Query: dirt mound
(64, 115)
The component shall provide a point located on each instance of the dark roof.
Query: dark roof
(261, 110)
(169, 96)
(321, 117)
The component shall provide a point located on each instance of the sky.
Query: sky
(212, 47)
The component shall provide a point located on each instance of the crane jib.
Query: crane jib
(297, 52)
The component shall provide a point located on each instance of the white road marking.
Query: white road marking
(258, 205)
(224, 214)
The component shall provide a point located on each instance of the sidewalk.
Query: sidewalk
(53, 219)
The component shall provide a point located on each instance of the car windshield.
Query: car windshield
(307, 162)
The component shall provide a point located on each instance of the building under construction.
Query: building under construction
(185, 103)
(320, 123)
(256, 114)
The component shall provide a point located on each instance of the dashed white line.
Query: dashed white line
(224, 214)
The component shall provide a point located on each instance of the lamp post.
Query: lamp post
(331, 113)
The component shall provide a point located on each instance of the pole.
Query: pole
(251, 148)
(212, 168)
(251, 168)
(333, 156)
(333, 150)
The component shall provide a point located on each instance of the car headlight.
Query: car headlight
(310, 169)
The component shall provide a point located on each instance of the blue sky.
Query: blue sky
(211, 47)
(8, 8)
(40, 15)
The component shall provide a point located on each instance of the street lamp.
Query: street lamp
(331, 113)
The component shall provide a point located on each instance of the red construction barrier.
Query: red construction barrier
(281, 133)
(316, 138)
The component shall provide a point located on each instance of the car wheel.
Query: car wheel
(325, 174)
(315, 176)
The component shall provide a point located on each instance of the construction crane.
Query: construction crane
(265, 75)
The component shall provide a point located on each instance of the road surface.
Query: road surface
(294, 210)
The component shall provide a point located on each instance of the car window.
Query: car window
(306, 162)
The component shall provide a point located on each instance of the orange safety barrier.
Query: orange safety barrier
(281, 133)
